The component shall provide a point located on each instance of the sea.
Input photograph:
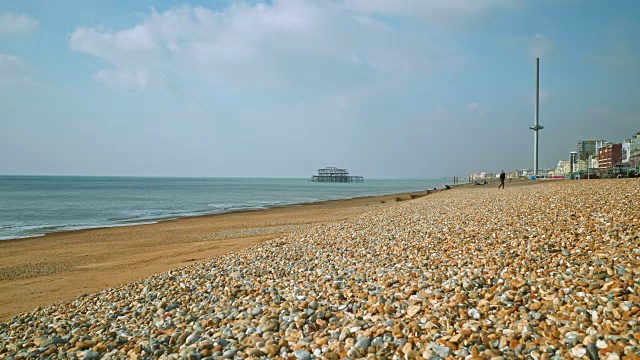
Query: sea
(32, 206)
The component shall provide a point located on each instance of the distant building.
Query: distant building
(634, 149)
(581, 165)
(525, 173)
(563, 168)
(483, 175)
(586, 148)
(599, 154)
(573, 158)
(609, 155)
(625, 152)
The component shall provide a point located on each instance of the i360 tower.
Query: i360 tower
(537, 125)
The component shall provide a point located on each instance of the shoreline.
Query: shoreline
(61, 265)
(143, 222)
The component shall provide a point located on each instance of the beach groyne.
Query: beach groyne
(542, 271)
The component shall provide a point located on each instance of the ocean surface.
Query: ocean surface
(35, 205)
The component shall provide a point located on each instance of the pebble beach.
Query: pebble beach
(544, 271)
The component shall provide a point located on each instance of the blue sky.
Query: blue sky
(386, 88)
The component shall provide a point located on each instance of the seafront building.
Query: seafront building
(625, 152)
(634, 156)
(601, 158)
(592, 158)
(573, 158)
(563, 168)
(586, 148)
(483, 175)
(525, 173)
(609, 155)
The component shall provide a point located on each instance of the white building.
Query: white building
(635, 149)
(581, 165)
(563, 167)
(525, 173)
(625, 152)
(483, 175)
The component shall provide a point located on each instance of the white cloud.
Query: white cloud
(433, 9)
(540, 46)
(11, 23)
(288, 43)
(473, 107)
(13, 69)
(138, 79)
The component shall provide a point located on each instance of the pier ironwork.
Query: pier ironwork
(335, 175)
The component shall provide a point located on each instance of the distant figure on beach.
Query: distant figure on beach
(502, 176)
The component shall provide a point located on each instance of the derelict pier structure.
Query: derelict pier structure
(335, 175)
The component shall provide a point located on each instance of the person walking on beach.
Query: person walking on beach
(502, 176)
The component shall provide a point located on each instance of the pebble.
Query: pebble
(363, 344)
(549, 270)
(302, 355)
(578, 352)
(442, 351)
(592, 350)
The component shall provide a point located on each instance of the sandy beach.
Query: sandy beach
(545, 271)
(39, 271)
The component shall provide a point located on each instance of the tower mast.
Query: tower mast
(537, 125)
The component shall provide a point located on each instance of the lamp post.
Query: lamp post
(588, 167)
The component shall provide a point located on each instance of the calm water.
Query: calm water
(35, 205)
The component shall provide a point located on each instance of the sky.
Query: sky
(385, 88)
